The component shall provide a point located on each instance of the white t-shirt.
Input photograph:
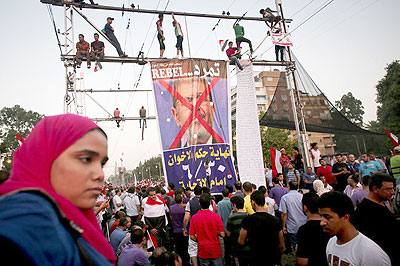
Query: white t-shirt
(99, 216)
(131, 201)
(271, 205)
(117, 200)
(317, 156)
(360, 251)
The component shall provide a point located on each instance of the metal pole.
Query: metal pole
(148, 11)
(295, 98)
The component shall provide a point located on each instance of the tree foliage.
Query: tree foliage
(388, 99)
(15, 120)
(351, 108)
(276, 138)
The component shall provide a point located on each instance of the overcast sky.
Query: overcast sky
(345, 47)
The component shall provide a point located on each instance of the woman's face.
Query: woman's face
(77, 174)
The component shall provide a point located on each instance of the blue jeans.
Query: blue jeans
(211, 262)
(115, 43)
(293, 240)
(235, 60)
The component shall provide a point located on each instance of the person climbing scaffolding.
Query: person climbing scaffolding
(160, 34)
(233, 54)
(269, 16)
(239, 32)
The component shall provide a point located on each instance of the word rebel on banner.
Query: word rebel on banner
(193, 111)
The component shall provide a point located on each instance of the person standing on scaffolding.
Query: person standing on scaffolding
(279, 49)
(239, 32)
(179, 36)
(142, 114)
(160, 34)
(109, 31)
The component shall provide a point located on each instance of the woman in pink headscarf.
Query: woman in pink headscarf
(46, 215)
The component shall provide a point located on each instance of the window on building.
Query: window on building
(275, 117)
(274, 107)
(261, 97)
(285, 107)
(270, 79)
(284, 98)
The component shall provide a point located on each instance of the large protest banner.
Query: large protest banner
(193, 113)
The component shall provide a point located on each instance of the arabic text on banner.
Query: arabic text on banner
(248, 139)
(192, 103)
(282, 39)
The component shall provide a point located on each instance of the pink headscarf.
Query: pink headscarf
(32, 167)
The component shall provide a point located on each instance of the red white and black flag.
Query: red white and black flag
(19, 138)
(393, 138)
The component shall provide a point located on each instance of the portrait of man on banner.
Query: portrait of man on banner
(192, 90)
(192, 101)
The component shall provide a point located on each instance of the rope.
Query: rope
(187, 34)
(50, 10)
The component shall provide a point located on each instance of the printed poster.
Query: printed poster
(193, 111)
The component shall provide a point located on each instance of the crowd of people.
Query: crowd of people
(56, 210)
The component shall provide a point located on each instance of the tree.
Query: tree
(15, 120)
(276, 138)
(352, 109)
(388, 99)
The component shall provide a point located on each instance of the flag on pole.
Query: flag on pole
(276, 165)
(393, 138)
(19, 138)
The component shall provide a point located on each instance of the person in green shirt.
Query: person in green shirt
(395, 164)
(239, 32)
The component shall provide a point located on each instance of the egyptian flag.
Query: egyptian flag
(393, 138)
(276, 165)
(19, 138)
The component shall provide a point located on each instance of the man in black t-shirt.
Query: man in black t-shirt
(341, 171)
(298, 160)
(263, 233)
(311, 239)
(374, 219)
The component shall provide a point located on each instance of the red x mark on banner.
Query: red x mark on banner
(196, 114)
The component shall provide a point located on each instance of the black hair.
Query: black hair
(162, 191)
(258, 197)
(137, 236)
(229, 187)
(131, 190)
(158, 189)
(320, 160)
(205, 190)
(238, 202)
(263, 189)
(95, 34)
(310, 200)
(293, 185)
(377, 179)
(171, 185)
(279, 174)
(225, 192)
(140, 223)
(198, 190)
(295, 149)
(367, 153)
(355, 178)
(178, 191)
(313, 144)
(338, 202)
(123, 221)
(338, 154)
(365, 180)
(178, 198)
(238, 185)
(253, 185)
(4, 175)
(247, 187)
(81, 35)
(230, 42)
(275, 180)
(150, 189)
(205, 200)
(160, 15)
(166, 259)
(262, 11)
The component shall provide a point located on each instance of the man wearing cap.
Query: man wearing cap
(109, 31)
(284, 161)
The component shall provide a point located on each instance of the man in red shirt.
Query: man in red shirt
(326, 170)
(233, 53)
(82, 50)
(205, 228)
